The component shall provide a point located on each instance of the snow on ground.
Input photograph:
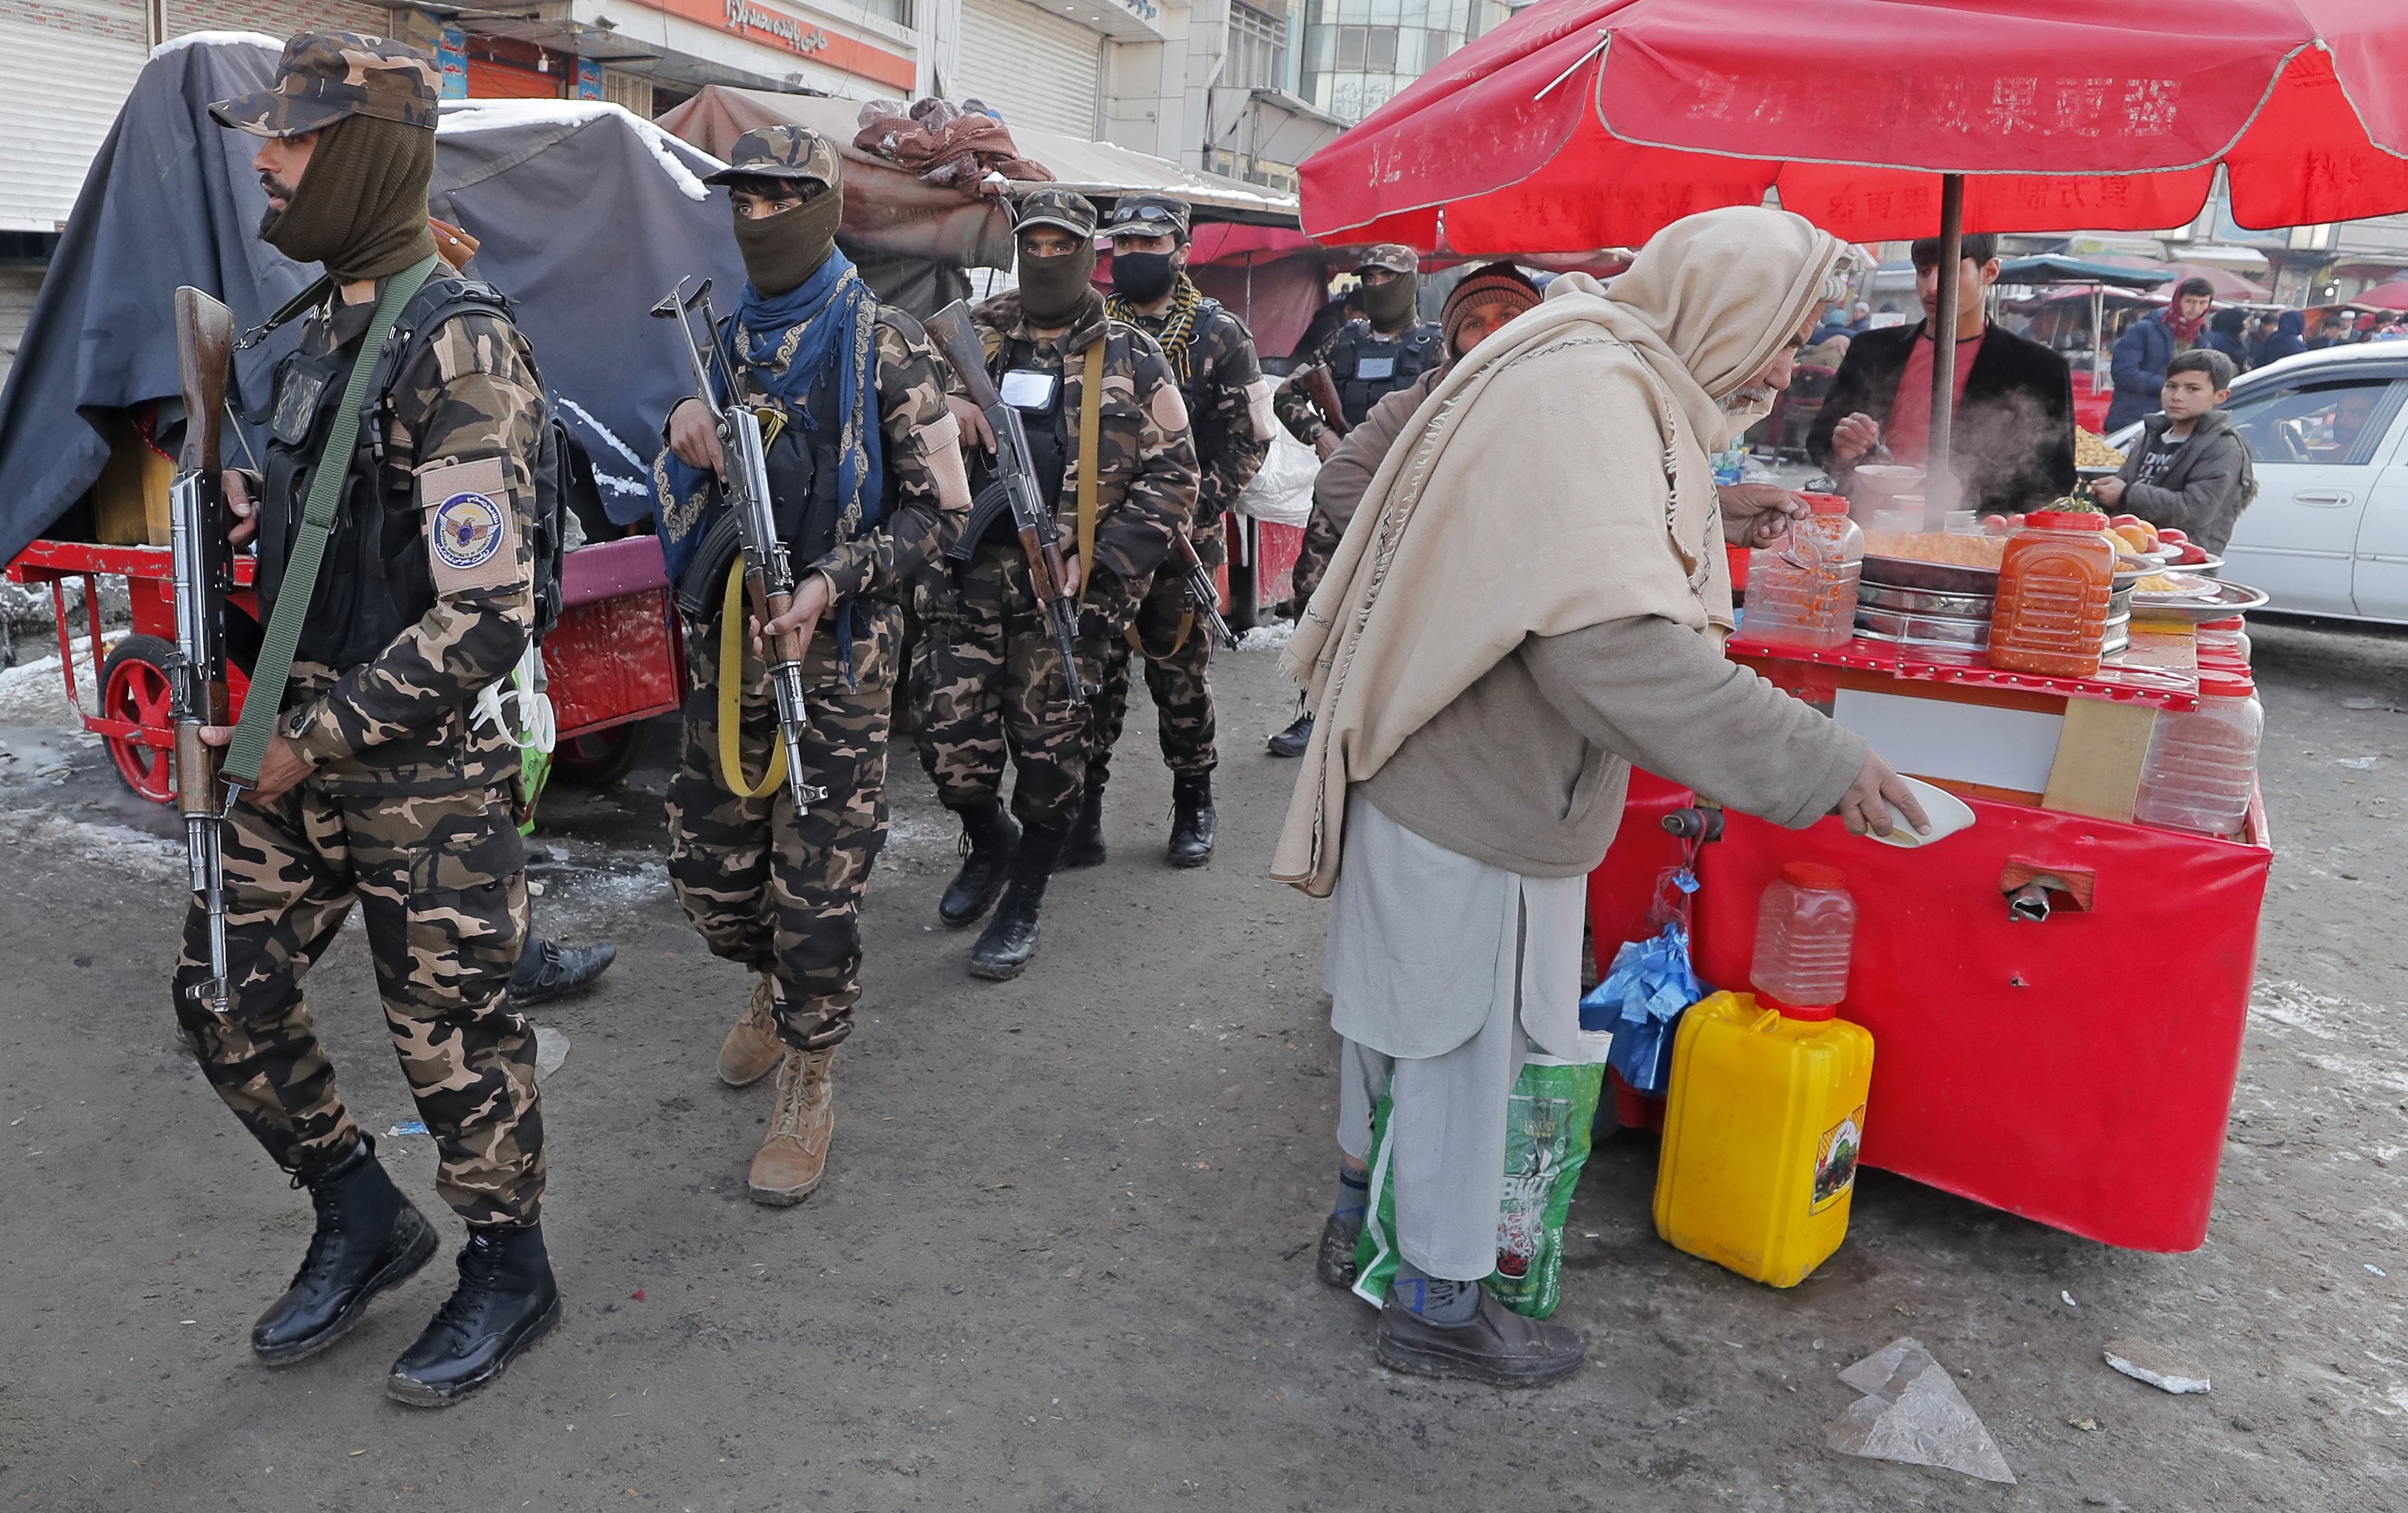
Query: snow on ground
(34, 694)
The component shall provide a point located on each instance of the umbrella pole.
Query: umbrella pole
(1938, 484)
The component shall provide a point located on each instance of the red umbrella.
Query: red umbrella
(1586, 124)
(2392, 295)
(1591, 123)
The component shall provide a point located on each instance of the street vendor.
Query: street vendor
(1536, 622)
(2014, 435)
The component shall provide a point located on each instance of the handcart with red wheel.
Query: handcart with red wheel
(614, 661)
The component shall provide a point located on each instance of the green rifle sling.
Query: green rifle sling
(274, 669)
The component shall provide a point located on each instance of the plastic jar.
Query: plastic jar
(1801, 592)
(2053, 585)
(1805, 929)
(2201, 768)
(2225, 635)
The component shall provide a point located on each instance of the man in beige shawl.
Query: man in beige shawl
(1531, 598)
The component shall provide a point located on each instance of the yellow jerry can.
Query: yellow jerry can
(1761, 1136)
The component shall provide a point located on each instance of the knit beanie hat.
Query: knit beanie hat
(1492, 284)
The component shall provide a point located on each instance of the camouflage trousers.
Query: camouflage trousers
(986, 682)
(1182, 696)
(441, 886)
(773, 889)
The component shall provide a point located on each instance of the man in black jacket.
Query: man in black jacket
(2013, 434)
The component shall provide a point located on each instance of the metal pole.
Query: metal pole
(1938, 485)
(2098, 332)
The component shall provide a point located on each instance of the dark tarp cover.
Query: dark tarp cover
(587, 216)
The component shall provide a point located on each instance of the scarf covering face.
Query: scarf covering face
(1390, 305)
(2185, 332)
(1178, 334)
(785, 342)
(360, 208)
(1054, 289)
(781, 252)
(1556, 478)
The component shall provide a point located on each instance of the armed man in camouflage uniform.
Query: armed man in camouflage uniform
(1228, 405)
(868, 487)
(986, 676)
(1369, 358)
(377, 787)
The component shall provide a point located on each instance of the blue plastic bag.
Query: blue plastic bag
(1640, 1001)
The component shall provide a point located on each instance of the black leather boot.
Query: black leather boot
(988, 839)
(1011, 936)
(1292, 740)
(370, 1238)
(1085, 846)
(504, 1302)
(1191, 819)
(548, 969)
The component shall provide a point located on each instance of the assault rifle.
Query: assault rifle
(1015, 488)
(1203, 592)
(769, 577)
(1322, 389)
(204, 568)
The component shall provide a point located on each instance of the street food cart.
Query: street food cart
(2057, 994)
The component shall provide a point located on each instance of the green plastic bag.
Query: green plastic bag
(1546, 1144)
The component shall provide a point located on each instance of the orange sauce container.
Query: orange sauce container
(2053, 588)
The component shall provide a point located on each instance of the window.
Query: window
(1350, 49)
(1257, 48)
(1380, 49)
(2341, 420)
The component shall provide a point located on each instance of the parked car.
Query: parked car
(2328, 533)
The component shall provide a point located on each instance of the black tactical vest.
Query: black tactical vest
(375, 581)
(1049, 449)
(1368, 367)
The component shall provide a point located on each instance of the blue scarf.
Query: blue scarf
(786, 343)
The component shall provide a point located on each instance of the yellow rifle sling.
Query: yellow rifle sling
(1091, 428)
(731, 676)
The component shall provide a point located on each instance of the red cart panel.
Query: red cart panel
(2077, 1070)
(614, 655)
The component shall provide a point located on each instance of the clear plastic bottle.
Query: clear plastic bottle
(2201, 768)
(1805, 927)
(1801, 592)
(2053, 585)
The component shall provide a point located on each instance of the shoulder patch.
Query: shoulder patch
(472, 532)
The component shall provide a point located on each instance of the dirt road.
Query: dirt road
(1062, 1258)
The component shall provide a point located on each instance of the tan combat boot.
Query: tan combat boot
(752, 1050)
(790, 1161)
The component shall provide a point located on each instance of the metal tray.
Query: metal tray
(1950, 631)
(2227, 602)
(1925, 601)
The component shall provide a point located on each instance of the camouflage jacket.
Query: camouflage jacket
(1228, 402)
(928, 488)
(400, 722)
(1417, 350)
(1146, 471)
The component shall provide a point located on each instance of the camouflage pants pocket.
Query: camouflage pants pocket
(465, 917)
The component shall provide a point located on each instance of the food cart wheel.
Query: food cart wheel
(599, 759)
(133, 686)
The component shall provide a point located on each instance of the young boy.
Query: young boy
(2190, 469)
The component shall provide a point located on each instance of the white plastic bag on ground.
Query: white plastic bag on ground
(1281, 493)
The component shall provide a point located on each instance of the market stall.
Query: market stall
(2012, 1068)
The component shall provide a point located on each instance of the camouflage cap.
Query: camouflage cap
(1068, 208)
(785, 150)
(1393, 255)
(1148, 215)
(325, 76)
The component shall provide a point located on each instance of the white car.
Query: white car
(2327, 432)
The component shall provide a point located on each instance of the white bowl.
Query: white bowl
(1947, 813)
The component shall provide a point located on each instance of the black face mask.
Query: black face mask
(1142, 278)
